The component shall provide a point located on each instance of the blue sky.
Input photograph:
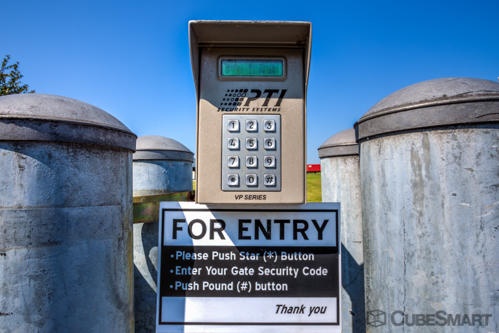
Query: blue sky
(131, 58)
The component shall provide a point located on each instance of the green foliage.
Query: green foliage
(10, 79)
(314, 193)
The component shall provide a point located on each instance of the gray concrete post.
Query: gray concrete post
(160, 166)
(429, 157)
(340, 182)
(65, 217)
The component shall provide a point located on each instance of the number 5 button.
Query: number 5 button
(251, 144)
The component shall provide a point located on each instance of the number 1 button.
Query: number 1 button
(233, 125)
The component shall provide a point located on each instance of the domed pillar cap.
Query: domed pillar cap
(50, 118)
(340, 144)
(155, 147)
(435, 103)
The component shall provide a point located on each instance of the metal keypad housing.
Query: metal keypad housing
(237, 72)
(251, 152)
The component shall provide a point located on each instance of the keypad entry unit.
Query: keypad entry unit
(251, 152)
(251, 85)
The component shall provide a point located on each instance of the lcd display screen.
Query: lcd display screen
(252, 67)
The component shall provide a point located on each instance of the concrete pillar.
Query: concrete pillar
(65, 217)
(162, 171)
(340, 182)
(429, 177)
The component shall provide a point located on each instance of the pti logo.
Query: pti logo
(376, 318)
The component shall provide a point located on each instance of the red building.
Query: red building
(313, 168)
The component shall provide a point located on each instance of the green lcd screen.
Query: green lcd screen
(252, 67)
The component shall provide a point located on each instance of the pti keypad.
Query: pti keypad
(251, 152)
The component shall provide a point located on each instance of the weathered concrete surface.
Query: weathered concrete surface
(341, 183)
(430, 220)
(151, 177)
(65, 238)
(161, 166)
(145, 258)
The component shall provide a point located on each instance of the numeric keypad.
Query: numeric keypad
(251, 152)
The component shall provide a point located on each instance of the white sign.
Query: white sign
(248, 269)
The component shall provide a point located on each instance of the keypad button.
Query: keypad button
(269, 162)
(233, 180)
(251, 125)
(233, 125)
(269, 180)
(269, 125)
(233, 143)
(251, 180)
(233, 162)
(251, 161)
(251, 144)
(269, 143)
